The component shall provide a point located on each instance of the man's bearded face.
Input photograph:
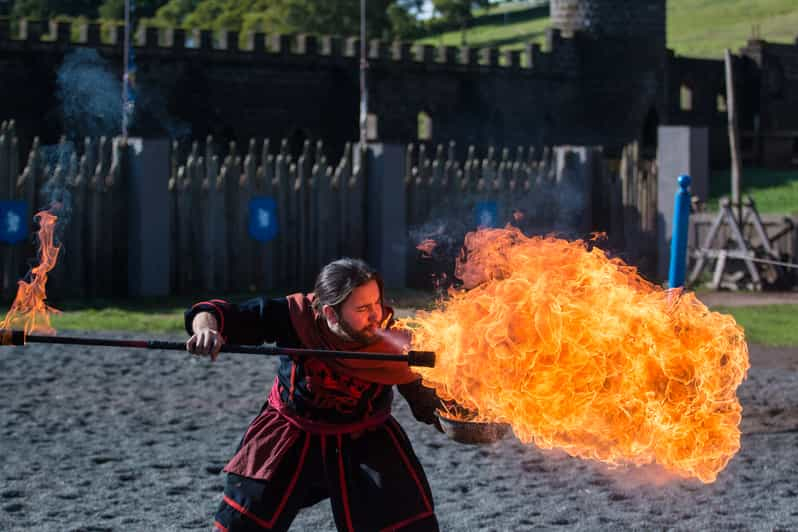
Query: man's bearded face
(361, 314)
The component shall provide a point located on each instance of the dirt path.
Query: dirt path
(94, 439)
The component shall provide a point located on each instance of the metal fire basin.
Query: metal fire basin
(472, 432)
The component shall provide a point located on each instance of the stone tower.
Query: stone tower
(641, 20)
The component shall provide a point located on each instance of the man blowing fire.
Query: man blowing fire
(326, 429)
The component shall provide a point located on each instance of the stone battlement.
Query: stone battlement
(40, 34)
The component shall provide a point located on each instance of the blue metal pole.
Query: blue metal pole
(681, 222)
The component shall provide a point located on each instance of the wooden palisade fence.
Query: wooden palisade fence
(320, 216)
(9, 170)
(81, 185)
(320, 208)
(534, 191)
(526, 180)
(636, 232)
(440, 186)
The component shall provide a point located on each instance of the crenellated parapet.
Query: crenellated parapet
(256, 46)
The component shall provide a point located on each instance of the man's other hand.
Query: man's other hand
(206, 340)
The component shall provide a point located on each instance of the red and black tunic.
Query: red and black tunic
(324, 432)
(310, 388)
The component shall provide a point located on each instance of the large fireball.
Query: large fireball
(578, 352)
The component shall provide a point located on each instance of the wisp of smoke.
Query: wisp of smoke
(54, 194)
(90, 95)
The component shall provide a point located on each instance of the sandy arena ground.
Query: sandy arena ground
(96, 439)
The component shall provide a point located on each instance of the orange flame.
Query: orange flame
(427, 247)
(29, 310)
(576, 351)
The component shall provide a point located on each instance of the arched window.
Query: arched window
(720, 103)
(685, 98)
(424, 126)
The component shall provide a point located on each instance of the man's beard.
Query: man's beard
(365, 336)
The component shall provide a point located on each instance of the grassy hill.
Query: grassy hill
(508, 26)
(703, 28)
(696, 28)
(774, 191)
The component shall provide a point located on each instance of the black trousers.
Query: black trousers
(374, 482)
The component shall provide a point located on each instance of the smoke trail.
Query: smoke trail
(59, 161)
(556, 206)
(90, 95)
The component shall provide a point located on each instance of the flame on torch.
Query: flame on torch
(578, 352)
(29, 310)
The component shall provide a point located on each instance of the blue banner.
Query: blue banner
(486, 214)
(13, 221)
(262, 219)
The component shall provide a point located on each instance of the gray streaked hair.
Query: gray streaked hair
(337, 279)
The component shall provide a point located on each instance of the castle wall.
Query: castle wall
(217, 89)
(607, 85)
(766, 86)
(303, 86)
(706, 79)
(622, 87)
(776, 96)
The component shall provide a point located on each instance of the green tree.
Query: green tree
(403, 18)
(330, 16)
(115, 9)
(173, 12)
(383, 17)
(209, 14)
(403, 24)
(44, 9)
(205, 14)
(459, 12)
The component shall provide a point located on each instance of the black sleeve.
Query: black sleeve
(423, 402)
(252, 322)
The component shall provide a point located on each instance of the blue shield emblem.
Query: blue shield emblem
(13, 221)
(262, 219)
(486, 214)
